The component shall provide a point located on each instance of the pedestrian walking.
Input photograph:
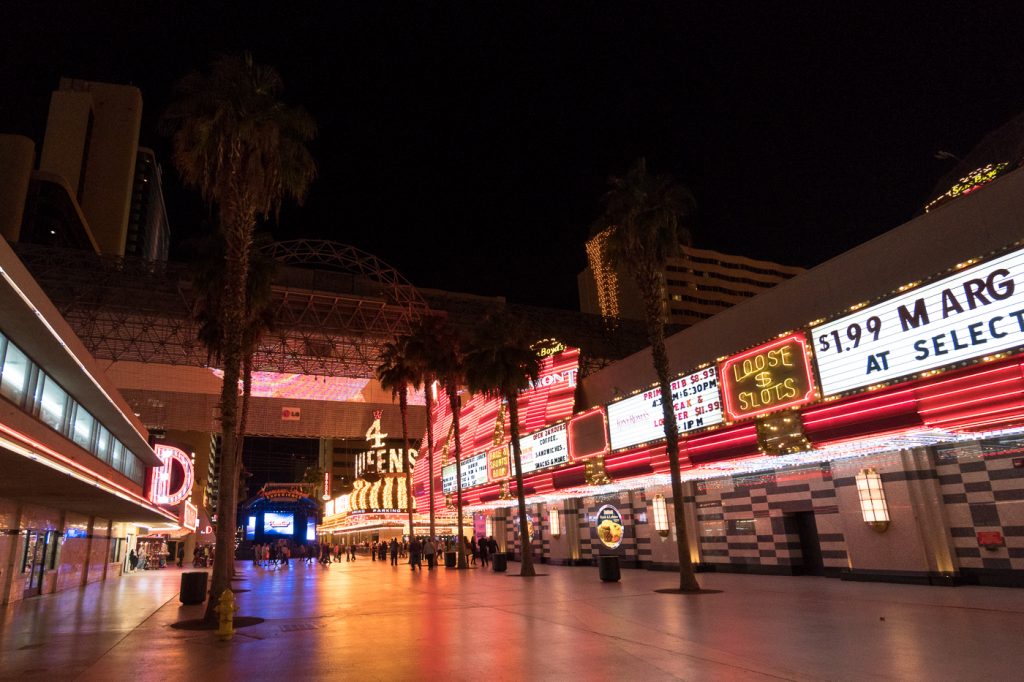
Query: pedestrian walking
(430, 551)
(393, 547)
(414, 554)
(483, 550)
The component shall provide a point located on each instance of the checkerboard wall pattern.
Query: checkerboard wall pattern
(541, 541)
(743, 519)
(983, 492)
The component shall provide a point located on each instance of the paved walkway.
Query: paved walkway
(369, 621)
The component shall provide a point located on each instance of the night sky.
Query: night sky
(469, 145)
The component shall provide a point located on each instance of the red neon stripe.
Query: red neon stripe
(848, 416)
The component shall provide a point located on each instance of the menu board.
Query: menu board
(640, 419)
(474, 472)
(544, 449)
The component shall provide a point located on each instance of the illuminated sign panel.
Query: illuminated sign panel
(497, 464)
(975, 312)
(190, 516)
(588, 435)
(474, 472)
(771, 377)
(640, 419)
(543, 449)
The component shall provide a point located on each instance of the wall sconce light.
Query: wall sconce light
(556, 524)
(489, 526)
(661, 516)
(872, 499)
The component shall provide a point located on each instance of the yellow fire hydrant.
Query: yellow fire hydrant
(226, 609)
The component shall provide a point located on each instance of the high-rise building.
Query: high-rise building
(696, 284)
(92, 140)
(149, 231)
(95, 188)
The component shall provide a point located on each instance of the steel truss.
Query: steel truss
(334, 307)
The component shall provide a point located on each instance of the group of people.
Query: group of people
(418, 551)
(427, 550)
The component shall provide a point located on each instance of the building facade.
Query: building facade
(863, 420)
(75, 460)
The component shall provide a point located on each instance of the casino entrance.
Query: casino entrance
(810, 546)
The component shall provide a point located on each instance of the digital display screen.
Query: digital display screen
(277, 523)
(250, 528)
(310, 530)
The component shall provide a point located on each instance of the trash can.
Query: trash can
(193, 587)
(499, 562)
(608, 568)
(450, 559)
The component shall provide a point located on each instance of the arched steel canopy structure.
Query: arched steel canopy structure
(328, 321)
(334, 307)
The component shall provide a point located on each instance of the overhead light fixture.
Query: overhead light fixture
(872, 499)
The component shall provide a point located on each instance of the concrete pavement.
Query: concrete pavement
(371, 621)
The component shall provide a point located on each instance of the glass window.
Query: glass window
(102, 450)
(14, 375)
(117, 455)
(52, 402)
(85, 423)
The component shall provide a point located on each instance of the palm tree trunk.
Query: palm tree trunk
(243, 415)
(239, 239)
(525, 543)
(650, 290)
(453, 397)
(430, 451)
(403, 406)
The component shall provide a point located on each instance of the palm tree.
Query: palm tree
(644, 219)
(501, 364)
(397, 373)
(428, 337)
(444, 360)
(245, 151)
(259, 316)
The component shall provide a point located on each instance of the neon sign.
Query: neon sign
(770, 377)
(380, 459)
(160, 477)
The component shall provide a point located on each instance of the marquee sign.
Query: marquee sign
(770, 377)
(641, 419)
(474, 472)
(976, 312)
(544, 449)
(177, 472)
